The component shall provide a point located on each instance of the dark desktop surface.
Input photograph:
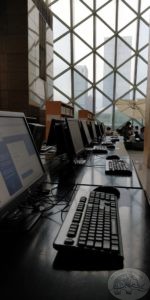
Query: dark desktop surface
(91, 173)
(32, 269)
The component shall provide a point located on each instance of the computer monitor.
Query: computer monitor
(21, 169)
(98, 130)
(51, 139)
(94, 129)
(102, 127)
(56, 136)
(85, 133)
(38, 132)
(75, 143)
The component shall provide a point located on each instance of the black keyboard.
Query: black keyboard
(117, 167)
(92, 226)
(100, 149)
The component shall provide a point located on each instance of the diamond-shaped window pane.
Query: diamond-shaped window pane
(146, 16)
(129, 34)
(138, 95)
(102, 68)
(59, 65)
(126, 15)
(107, 86)
(128, 96)
(127, 70)
(86, 64)
(122, 86)
(80, 49)
(123, 51)
(59, 97)
(86, 100)
(108, 51)
(106, 117)
(144, 53)
(99, 3)
(108, 13)
(143, 34)
(63, 83)
(58, 9)
(62, 47)
(144, 4)
(80, 12)
(133, 4)
(143, 87)
(102, 32)
(101, 101)
(80, 83)
(89, 3)
(85, 31)
(141, 70)
(59, 28)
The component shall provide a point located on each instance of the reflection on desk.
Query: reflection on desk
(30, 268)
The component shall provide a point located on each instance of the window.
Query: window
(100, 54)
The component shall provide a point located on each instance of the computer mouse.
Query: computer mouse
(110, 157)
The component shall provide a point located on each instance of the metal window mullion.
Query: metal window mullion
(72, 50)
(81, 75)
(82, 21)
(102, 79)
(80, 38)
(78, 61)
(115, 66)
(62, 58)
(94, 57)
(61, 92)
(137, 45)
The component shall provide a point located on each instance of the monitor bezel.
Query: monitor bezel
(18, 199)
(87, 140)
(72, 153)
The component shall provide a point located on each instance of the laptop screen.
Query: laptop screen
(20, 165)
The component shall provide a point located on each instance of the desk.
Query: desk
(32, 269)
(92, 173)
(28, 262)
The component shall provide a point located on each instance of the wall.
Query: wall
(13, 55)
(21, 88)
(39, 90)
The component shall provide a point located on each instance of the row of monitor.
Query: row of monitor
(71, 136)
(21, 169)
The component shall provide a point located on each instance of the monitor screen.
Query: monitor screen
(20, 166)
(94, 129)
(86, 133)
(74, 129)
(56, 136)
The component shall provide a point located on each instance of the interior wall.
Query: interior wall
(39, 90)
(13, 55)
(21, 88)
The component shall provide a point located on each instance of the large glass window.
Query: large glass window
(100, 54)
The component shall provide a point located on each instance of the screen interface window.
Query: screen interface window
(19, 163)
